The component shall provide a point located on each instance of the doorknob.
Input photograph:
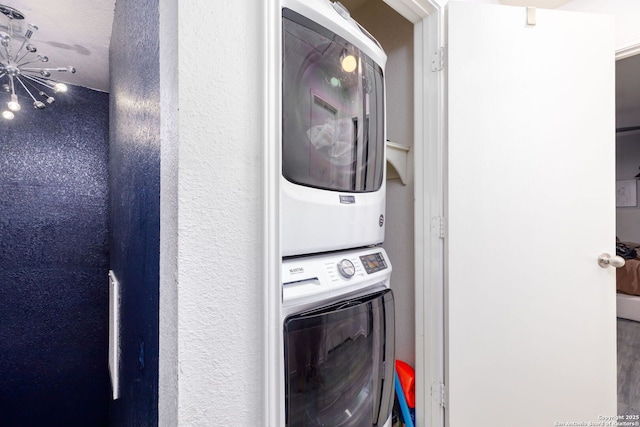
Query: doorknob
(605, 260)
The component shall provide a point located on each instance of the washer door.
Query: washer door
(339, 363)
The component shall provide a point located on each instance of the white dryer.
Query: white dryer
(333, 130)
(338, 325)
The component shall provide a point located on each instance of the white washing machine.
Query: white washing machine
(338, 325)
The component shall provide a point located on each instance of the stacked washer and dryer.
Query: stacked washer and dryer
(338, 309)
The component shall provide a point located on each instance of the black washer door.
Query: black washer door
(339, 363)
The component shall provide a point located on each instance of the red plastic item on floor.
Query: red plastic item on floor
(407, 377)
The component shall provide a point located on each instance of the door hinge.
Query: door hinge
(437, 60)
(438, 227)
(439, 394)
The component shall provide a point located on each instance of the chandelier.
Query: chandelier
(21, 69)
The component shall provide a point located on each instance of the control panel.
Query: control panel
(306, 280)
(336, 268)
(373, 262)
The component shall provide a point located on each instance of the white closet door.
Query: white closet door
(531, 332)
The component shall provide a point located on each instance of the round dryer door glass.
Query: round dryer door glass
(332, 110)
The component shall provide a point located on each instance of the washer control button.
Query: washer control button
(346, 269)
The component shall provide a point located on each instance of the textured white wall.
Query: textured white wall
(220, 307)
(395, 34)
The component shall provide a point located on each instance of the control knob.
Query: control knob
(346, 269)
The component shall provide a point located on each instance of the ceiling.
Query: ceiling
(70, 32)
(78, 32)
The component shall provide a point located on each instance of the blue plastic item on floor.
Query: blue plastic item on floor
(406, 415)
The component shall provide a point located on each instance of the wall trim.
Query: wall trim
(429, 152)
(630, 49)
(413, 11)
(427, 17)
(273, 344)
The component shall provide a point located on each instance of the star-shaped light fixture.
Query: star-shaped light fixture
(19, 70)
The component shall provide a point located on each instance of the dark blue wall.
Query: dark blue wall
(54, 263)
(135, 204)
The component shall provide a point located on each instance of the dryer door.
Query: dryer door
(339, 363)
(332, 110)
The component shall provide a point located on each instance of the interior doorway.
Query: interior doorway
(425, 17)
(628, 232)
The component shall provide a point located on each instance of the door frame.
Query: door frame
(627, 51)
(427, 17)
(429, 221)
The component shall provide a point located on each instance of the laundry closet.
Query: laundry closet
(507, 117)
(395, 34)
(338, 311)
